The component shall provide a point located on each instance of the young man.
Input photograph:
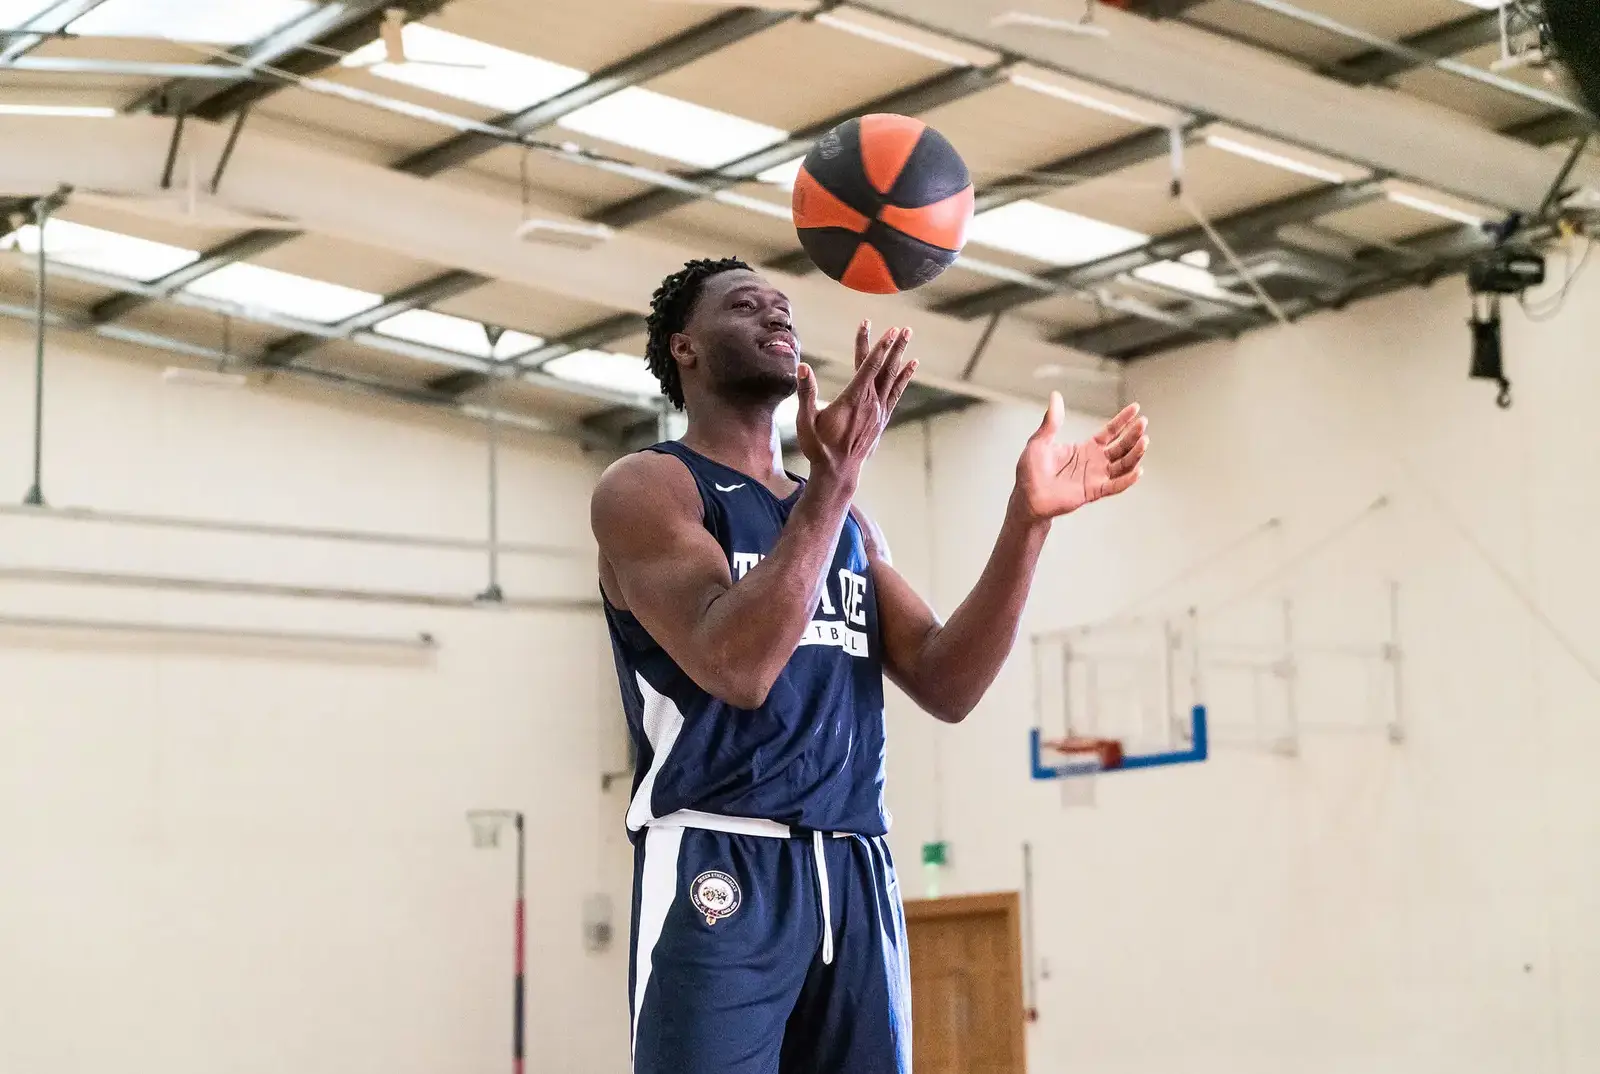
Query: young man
(753, 617)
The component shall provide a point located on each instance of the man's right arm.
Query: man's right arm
(668, 570)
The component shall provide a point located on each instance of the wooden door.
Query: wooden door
(966, 985)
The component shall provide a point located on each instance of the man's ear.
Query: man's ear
(682, 349)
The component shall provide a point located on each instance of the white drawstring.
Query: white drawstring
(822, 892)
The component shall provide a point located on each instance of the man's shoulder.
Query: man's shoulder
(646, 482)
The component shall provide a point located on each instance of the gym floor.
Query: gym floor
(337, 314)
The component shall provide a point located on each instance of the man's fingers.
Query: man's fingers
(898, 388)
(1130, 435)
(867, 371)
(1117, 485)
(1131, 460)
(807, 391)
(1054, 415)
(1117, 425)
(863, 341)
(890, 373)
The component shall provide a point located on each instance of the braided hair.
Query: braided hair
(670, 308)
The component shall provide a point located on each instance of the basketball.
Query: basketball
(882, 203)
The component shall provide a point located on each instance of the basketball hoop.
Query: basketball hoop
(1107, 752)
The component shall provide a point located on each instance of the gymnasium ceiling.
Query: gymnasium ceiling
(320, 213)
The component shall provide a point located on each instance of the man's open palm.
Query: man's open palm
(1057, 479)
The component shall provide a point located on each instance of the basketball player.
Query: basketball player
(753, 617)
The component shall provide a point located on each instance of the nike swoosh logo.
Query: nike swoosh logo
(730, 488)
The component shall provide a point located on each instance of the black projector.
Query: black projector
(1507, 270)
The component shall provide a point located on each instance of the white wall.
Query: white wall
(255, 859)
(222, 856)
(1421, 908)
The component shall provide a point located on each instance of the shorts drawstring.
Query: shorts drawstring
(822, 893)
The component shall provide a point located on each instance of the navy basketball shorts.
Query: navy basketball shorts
(761, 955)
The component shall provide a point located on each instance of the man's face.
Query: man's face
(742, 336)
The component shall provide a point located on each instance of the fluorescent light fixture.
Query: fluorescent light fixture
(1085, 96)
(1427, 205)
(60, 111)
(495, 78)
(1051, 235)
(235, 23)
(783, 175)
(1182, 277)
(105, 251)
(898, 35)
(605, 369)
(453, 334)
(1197, 258)
(667, 127)
(1297, 164)
(254, 287)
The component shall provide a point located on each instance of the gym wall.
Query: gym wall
(254, 857)
(1430, 906)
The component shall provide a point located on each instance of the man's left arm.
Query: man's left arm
(946, 668)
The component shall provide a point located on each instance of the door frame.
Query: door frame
(1008, 903)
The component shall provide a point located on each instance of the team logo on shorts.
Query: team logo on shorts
(716, 895)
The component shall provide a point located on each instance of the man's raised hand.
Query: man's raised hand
(838, 438)
(1057, 479)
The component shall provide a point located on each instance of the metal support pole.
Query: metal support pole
(41, 216)
(1030, 1000)
(494, 594)
(519, 993)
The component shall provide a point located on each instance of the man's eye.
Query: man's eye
(744, 304)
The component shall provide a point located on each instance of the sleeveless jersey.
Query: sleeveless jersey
(812, 756)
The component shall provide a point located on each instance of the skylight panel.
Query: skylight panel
(496, 77)
(1183, 277)
(1051, 235)
(667, 127)
(105, 251)
(605, 369)
(782, 175)
(255, 287)
(453, 334)
(230, 23)
(14, 14)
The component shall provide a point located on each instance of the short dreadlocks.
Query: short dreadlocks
(670, 308)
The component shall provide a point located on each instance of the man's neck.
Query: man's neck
(742, 439)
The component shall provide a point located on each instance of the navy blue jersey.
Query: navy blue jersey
(812, 756)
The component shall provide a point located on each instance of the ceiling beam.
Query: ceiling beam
(931, 93)
(693, 44)
(1242, 230)
(1442, 42)
(1185, 67)
(652, 62)
(239, 248)
(1422, 258)
(436, 289)
(51, 21)
(1129, 152)
(595, 336)
(306, 47)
